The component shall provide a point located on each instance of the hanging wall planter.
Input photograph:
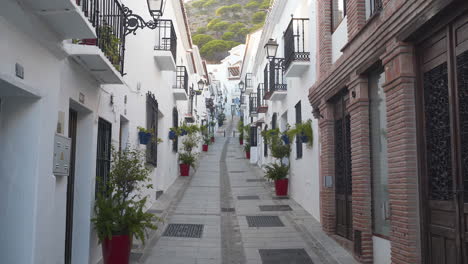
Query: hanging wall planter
(285, 139)
(144, 137)
(172, 135)
(183, 132)
(304, 138)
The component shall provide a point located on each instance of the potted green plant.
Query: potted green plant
(305, 133)
(247, 150)
(119, 206)
(187, 158)
(240, 129)
(206, 142)
(278, 172)
(144, 135)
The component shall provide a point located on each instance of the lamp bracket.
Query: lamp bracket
(134, 22)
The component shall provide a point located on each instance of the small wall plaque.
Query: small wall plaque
(19, 71)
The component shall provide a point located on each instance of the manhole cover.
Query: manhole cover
(224, 209)
(248, 197)
(264, 221)
(275, 208)
(236, 171)
(255, 180)
(285, 256)
(184, 230)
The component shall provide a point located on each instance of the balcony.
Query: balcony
(180, 89)
(297, 56)
(68, 18)
(103, 56)
(262, 106)
(165, 50)
(248, 83)
(253, 104)
(275, 88)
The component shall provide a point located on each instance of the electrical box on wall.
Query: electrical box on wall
(62, 148)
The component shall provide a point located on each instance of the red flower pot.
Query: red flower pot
(184, 169)
(212, 139)
(281, 187)
(117, 249)
(241, 141)
(205, 148)
(247, 154)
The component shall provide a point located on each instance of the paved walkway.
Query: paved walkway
(220, 202)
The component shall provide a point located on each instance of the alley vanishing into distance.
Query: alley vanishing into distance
(226, 212)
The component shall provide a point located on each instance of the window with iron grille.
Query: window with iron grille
(103, 156)
(253, 136)
(298, 138)
(175, 123)
(338, 12)
(152, 124)
(265, 144)
(274, 120)
(373, 7)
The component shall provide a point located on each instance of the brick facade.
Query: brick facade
(377, 40)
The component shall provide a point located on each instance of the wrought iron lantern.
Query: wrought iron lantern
(241, 86)
(134, 22)
(201, 84)
(271, 48)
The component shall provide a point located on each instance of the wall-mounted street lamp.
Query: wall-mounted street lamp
(241, 86)
(271, 48)
(134, 22)
(201, 84)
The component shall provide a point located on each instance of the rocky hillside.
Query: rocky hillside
(219, 25)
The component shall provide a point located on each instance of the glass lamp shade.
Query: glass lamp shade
(241, 85)
(156, 7)
(201, 84)
(271, 48)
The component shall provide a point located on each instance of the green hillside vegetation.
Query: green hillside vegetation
(219, 25)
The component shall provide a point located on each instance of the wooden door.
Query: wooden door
(443, 64)
(343, 190)
(72, 129)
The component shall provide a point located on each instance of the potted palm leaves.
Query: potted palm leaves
(187, 158)
(119, 207)
(278, 172)
(240, 129)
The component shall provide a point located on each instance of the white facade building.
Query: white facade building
(293, 25)
(227, 76)
(53, 86)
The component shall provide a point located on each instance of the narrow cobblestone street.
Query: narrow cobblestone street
(221, 203)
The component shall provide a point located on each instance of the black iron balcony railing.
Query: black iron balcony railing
(273, 77)
(107, 17)
(262, 106)
(166, 37)
(295, 41)
(253, 103)
(375, 6)
(181, 78)
(248, 81)
(242, 98)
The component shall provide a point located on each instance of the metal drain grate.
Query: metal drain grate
(255, 180)
(184, 230)
(275, 208)
(230, 209)
(153, 211)
(248, 197)
(285, 256)
(264, 221)
(236, 171)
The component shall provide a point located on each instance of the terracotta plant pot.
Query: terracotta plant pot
(184, 169)
(205, 148)
(212, 139)
(241, 141)
(117, 249)
(247, 154)
(281, 187)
